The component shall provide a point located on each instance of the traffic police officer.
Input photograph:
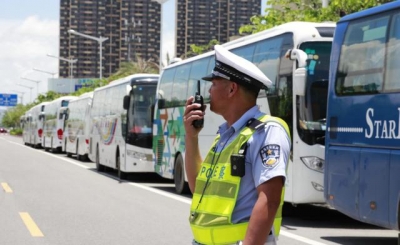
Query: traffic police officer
(238, 188)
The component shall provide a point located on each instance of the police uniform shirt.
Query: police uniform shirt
(266, 157)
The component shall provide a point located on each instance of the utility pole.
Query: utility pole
(130, 36)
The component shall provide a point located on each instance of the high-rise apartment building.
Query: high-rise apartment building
(131, 26)
(200, 21)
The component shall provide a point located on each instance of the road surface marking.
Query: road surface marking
(300, 238)
(6, 187)
(31, 225)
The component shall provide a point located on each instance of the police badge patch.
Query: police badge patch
(270, 155)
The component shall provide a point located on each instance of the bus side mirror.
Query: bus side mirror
(127, 100)
(41, 117)
(161, 103)
(64, 114)
(299, 55)
(300, 74)
(299, 81)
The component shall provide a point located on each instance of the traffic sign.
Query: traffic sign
(8, 99)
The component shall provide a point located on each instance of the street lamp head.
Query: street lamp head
(98, 39)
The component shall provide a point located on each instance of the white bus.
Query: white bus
(121, 118)
(77, 127)
(303, 109)
(24, 124)
(54, 118)
(34, 127)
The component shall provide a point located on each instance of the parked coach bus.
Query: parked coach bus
(77, 126)
(24, 124)
(296, 96)
(34, 128)
(362, 173)
(54, 117)
(121, 125)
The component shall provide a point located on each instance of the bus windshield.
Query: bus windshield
(64, 103)
(140, 115)
(311, 108)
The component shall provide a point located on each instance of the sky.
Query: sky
(29, 30)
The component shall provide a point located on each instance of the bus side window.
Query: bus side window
(179, 89)
(166, 82)
(199, 70)
(393, 57)
(267, 58)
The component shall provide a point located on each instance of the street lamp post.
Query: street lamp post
(35, 81)
(100, 40)
(30, 88)
(70, 61)
(48, 72)
(22, 95)
(161, 20)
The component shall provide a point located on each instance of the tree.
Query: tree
(200, 49)
(91, 86)
(49, 96)
(138, 66)
(126, 69)
(12, 116)
(283, 11)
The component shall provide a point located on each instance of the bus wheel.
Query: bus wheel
(121, 175)
(181, 187)
(44, 144)
(99, 167)
(78, 157)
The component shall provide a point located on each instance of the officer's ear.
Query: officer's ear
(233, 88)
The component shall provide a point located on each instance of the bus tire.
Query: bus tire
(121, 175)
(44, 144)
(181, 186)
(78, 157)
(65, 147)
(99, 167)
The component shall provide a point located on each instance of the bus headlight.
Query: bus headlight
(314, 163)
(140, 155)
(317, 186)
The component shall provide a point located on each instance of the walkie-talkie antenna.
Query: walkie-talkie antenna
(198, 99)
(198, 87)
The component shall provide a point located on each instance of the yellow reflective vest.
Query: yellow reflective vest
(216, 193)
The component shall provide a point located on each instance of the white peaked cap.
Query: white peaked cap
(237, 69)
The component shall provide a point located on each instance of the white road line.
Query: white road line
(173, 196)
(300, 238)
(52, 155)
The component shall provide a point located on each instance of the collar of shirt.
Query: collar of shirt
(253, 112)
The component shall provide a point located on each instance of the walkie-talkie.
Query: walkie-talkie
(198, 99)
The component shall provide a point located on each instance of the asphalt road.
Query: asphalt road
(48, 198)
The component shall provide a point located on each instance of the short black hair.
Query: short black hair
(251, 90)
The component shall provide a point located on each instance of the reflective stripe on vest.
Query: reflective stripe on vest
(210, 220)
